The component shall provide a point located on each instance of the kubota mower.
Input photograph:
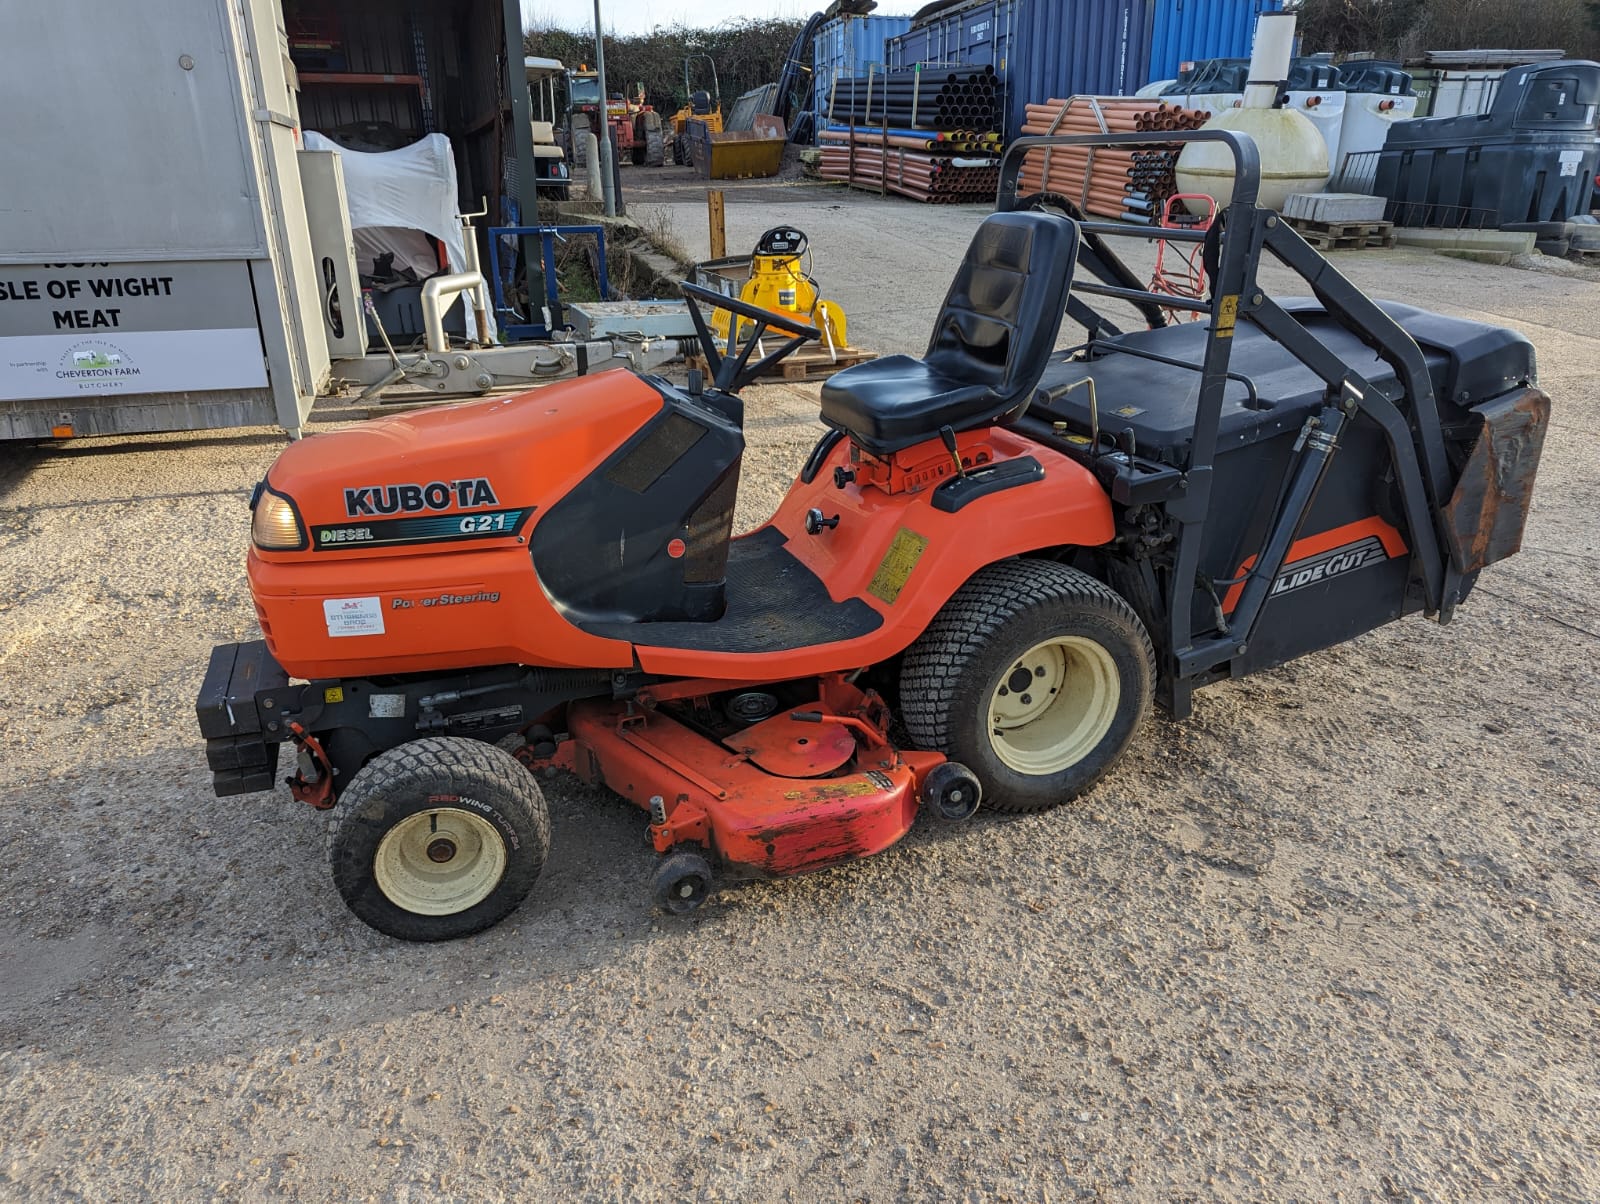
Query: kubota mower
(1011, 549)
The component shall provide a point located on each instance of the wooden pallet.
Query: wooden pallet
(810, 363)
(1344, 236)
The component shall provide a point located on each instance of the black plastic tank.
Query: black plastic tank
(1531, 158)
(1375, 77)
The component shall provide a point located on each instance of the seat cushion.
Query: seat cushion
(893, 402)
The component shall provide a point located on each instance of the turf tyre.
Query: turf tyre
(484, 787)
(950, 676)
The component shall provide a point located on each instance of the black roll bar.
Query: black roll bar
(1414, 440)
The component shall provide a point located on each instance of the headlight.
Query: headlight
(275, 526)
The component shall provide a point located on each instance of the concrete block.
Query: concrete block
(1334, 207)
(1507, 242)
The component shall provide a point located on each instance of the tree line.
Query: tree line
(746, 55)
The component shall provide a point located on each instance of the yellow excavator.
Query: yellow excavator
(780, 281)
(702, 106)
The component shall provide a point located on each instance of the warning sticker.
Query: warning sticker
(905, 549)
(1569, 162)
(1227, 315)
(353, 616)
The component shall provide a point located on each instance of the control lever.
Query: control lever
(816, 521)
(947, 436)
(1060, 391)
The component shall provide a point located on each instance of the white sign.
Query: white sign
(353, 616)
(1569, 162)
(76, 330)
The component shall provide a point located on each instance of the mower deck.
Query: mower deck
(713, 793)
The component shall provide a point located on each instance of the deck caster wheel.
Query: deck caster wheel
(438, 838)
(681, 883)
(951, 792)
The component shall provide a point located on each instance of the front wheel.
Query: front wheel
(438, 838)
(1035, 676)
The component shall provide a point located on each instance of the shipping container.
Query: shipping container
(847, 47)
(1187, 31)
(1094, 47)
(973, 35)
(1045, 48)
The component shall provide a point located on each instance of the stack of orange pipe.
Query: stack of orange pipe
(939, 178)
(1106, 181)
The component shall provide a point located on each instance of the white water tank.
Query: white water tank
(1367, 118)
(1325, 108)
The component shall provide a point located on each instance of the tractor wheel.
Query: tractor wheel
(1035, 676)
(654, 149)
(438, 838)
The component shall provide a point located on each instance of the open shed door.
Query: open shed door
(296, 347)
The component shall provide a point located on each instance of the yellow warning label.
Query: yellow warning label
(1227, 314)
(905, 549)
(333, 694)
(849, 788)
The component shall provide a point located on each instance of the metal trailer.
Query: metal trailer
(156, 272)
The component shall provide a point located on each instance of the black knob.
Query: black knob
(816, 521)
(842, 476)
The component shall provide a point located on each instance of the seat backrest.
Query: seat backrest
(1001, 317)
(544, 133)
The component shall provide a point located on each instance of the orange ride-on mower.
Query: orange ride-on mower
(1010, 549)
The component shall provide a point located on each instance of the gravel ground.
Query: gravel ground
(1334, 937)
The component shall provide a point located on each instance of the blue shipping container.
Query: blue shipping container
(974, 35)
(1038, 48)
(848, 46)
(1187, 31)
(1060, 48)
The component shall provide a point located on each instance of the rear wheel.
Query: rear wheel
(438, 838)
(1035, 676)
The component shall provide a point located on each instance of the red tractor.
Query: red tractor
(637, 126)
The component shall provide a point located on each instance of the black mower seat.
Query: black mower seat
(989, 346)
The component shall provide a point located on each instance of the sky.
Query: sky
(639, 16)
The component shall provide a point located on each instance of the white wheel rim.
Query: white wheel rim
(1053, 705)
(440, 862)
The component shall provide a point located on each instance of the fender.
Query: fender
(904, 557)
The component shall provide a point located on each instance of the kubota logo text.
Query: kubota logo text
(407, 499)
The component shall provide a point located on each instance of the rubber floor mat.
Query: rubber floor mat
(774, 603)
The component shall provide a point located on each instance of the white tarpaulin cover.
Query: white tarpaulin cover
(414, 186)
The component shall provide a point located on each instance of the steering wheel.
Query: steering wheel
(730, 373)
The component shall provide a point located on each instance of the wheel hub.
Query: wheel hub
(1054, 705)
(440, 862)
